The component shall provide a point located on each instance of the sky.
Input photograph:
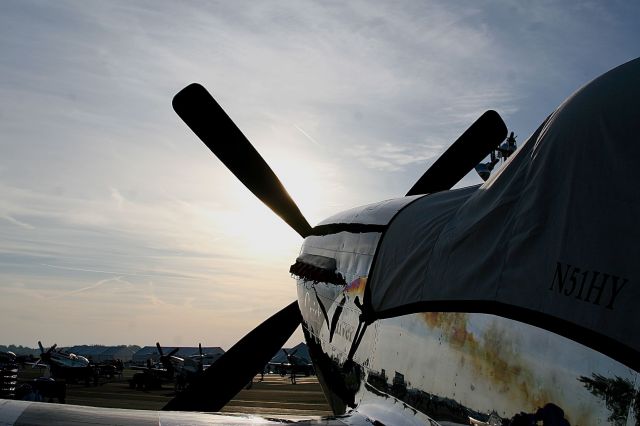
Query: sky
(118, 226)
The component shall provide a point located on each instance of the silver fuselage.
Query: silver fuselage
(456, 367)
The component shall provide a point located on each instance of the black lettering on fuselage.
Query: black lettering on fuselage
(616, 290)
(560, 277)
(593, 287)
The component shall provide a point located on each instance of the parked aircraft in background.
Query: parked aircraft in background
(513, 302)
(170, 367)
(66, 366)
(185, 368)
(170, 361)
(61, 359)
(291, 362)
(203, 360)
(71, 367)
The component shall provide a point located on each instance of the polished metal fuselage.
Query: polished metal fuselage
(456, 367)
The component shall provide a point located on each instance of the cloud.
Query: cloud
(101, 180)
(389, 157)
(17, 222)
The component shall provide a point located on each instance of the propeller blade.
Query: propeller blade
(212, 125)
(55, 345)
(467, 151)
(159, 348)
(41, 347)
(173, 352)
(235, 368)
(200, 349)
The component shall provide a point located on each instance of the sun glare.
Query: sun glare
(261, 234)
(305, 183)
(255, 228)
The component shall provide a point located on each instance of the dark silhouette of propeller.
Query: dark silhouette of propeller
(232, 371)
(236, 367)
(169, 355)
(165, 360)
(214, 127)
(467, 151)
(228, 375)
(45, 356)
(48, 351)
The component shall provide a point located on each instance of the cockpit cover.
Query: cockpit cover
(552, 240)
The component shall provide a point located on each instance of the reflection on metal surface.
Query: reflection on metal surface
(441, 409)
(617, 393)
(451, 368)
(550, 414)
(340, 381)
(463, 368)
(492, 356)
(473, 365)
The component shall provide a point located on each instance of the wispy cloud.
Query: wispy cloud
(306, 135)
(391, 157)
(17, 222)
(98, 175)
(87, 288)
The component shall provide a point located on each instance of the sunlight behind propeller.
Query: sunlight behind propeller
(213, 126)
(227, 376)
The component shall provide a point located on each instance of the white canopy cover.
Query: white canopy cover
(552, 239)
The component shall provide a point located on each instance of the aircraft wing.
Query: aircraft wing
(139, 368)
(19, 413)
(36, 364)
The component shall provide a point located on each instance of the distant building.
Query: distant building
(145, 353)
(112, 353)
(87, 351)
(99, 353)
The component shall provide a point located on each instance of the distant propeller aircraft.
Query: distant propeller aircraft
(170, 361)
(172, 368)
(201, 361)
(512, 302)
(184, 370)
(153, 374)
(66, 366)
(293, 366)
(186, 367)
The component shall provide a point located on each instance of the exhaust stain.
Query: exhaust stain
(492, 357)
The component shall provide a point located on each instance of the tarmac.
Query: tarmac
(273, 396)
